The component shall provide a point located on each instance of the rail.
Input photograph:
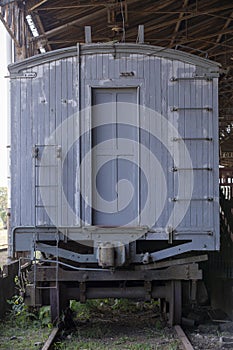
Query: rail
(48, 345)
(183, 338)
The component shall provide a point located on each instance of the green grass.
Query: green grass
(114, 345)
(118, 325)
(101, 325)
(14, 337)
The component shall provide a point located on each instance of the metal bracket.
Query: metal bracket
(59, 152)
(195, 77)
(27, 75)
(176, 199)
(192, 139)
(35, 152)
(176, 109)
(174, 169)
(66, 254)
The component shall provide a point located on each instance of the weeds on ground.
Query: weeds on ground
(24, 328)
(100, 327)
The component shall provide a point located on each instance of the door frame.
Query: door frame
(87, 184)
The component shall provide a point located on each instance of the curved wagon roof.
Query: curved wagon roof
(124, 48)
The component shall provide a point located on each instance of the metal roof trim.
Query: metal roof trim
(115, 48)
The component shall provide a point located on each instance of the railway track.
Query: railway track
(185, 343)
(183, 338)
(48, 345)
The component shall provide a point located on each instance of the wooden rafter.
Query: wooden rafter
(208, 28)
(177, 27)
(41, 27)
(78, 22)
(38, 4)
(224, 27)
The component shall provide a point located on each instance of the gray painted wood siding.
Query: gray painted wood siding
(62, 86)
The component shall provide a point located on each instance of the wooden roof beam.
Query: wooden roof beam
(37, 5)
(80, 21)
(150, 27)
(177, 27)
(212, 35)
(41, 27)
(224, 27)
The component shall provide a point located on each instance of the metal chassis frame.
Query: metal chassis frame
(33, 238)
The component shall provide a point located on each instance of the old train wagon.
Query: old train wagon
(114, 172)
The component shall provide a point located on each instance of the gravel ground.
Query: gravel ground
(209, 337)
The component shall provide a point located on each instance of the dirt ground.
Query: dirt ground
(114, 325)
(137, 328)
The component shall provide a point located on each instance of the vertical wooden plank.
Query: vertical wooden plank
(146, 123)
(164, 111)
(207, 121)
(182, 121)
(15, 151)
(155, 105)
(77, 149)
(99, 62)
(167, 134)
(201, 149)
(40, 101)
(93, 66)
(214, 144)
(123, 64)
(29, 160)
(117, 68)
(71, 133)
(86, 140)
(23, 150)
(105, 67)
(47, 133)
(140, 69)
(52, 126)
(88, 67)
(111, 66)
(35, 99)
(212, 122)
(64, 136)
(58, 133)
(193, 125)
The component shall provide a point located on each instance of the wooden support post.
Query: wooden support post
(58, 301)
(88, 35)
(141, 34)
